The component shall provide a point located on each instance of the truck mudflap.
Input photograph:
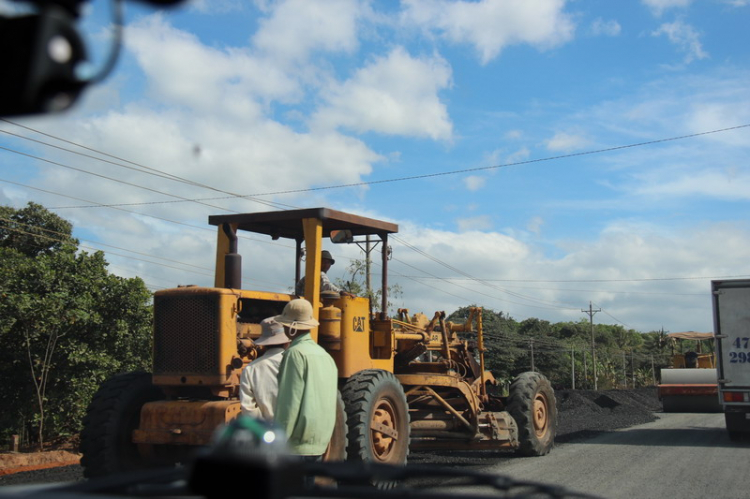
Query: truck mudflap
(183, 422)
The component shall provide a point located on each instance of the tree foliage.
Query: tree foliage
(34, 230)
(356, 284)
(624, 357)
(66, 324)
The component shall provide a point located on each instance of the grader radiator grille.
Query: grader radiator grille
(186, 335)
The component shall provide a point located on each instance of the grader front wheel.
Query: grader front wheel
(111, 417)
(377, 417)
(532, 404)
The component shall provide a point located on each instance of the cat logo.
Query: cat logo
(358, 324)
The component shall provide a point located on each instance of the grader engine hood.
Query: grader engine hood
(195, 336)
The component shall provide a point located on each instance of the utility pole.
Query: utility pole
(591, 313)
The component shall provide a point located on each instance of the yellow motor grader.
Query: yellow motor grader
(406, 382)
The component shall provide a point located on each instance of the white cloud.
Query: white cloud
(520, 155)
(296, 28)
(718, 112)
(535, 225)
(474, 182)
(513, 134)
(480, 223)
(633, 256)
(685, 37)
(730, 184)
(396, 95)
(181, 70)
(566, 142)
(659, 6)
(490, 25)
(607, 28)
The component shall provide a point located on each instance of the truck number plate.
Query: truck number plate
(740, 357)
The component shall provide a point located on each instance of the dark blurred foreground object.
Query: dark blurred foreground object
(40, 54)
(255, 452)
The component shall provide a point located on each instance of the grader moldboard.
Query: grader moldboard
(411, 382)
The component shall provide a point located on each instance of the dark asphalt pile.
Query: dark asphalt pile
(581, 414)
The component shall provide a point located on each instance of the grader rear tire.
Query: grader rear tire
(377, 418)
(110, 419)
(532, 404)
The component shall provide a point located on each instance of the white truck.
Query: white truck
(731, 305)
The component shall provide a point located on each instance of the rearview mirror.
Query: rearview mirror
(342, 236)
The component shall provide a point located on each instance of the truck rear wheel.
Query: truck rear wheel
(737, 425)
(111, 417)
(532, 404)
(377, 418)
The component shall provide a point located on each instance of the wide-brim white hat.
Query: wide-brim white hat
(297, 314)
(273, 333)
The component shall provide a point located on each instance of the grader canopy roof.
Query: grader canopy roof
(691, 335)
(288, 224)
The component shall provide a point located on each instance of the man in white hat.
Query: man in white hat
(308, 385)
(259, 381)
(326, 260)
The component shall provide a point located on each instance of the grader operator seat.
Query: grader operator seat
(305, 226)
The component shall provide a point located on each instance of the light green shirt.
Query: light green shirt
(308, 393)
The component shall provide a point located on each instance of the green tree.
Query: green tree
(65, 324)
(34, 230)
(356, 284)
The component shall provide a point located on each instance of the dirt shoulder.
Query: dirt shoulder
(15, 462)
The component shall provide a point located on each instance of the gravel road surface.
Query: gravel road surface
(582, 415)
(679, 455)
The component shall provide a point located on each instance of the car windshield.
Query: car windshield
(518, 228)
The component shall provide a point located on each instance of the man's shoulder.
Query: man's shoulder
(305, 347)
(266, 360)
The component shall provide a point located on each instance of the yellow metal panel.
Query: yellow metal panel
(183, 422)
(223, 342)
(313, 228)
(222, 248)
(354, 355)
(265, 295)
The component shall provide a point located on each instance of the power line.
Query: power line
(123, 182)
(455, 172)
(140, 167)
(95, 204)
(429, 175)
(481, 281)
(646, 279)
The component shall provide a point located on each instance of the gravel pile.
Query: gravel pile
(583, 413)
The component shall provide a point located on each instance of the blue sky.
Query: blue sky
(516, 96)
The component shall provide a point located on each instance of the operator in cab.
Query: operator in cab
(326, 260)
